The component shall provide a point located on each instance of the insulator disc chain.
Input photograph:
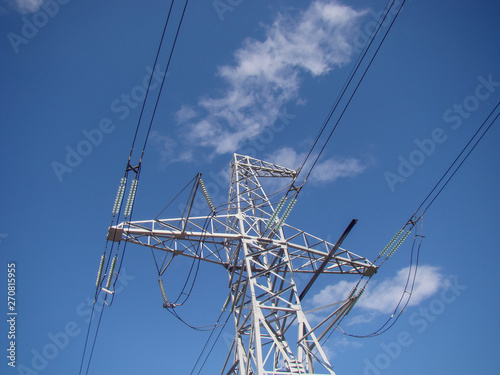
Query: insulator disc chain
(400, 242)
(99, 272)
(205, 194)
(119, 196)
(287, 212)
(131, 198)
(162, 289)
(111, 272)
(270, 223)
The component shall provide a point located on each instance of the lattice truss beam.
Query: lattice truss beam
(204, 237)
(261, 254)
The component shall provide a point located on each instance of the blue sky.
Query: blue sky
(256, 78)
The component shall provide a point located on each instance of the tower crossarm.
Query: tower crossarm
(202, 237)
(308, 252)
(207, 237)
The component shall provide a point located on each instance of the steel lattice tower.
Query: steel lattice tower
(261, 254)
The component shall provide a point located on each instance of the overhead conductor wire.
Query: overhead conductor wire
(418, 216)
(447, 175)
(137, 174)
(293, 191)
(346, 86)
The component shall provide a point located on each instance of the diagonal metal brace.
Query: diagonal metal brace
(327, 259)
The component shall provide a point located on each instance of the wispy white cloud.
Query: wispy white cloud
(266, 74)
(167, 149)
(332, 169)
(287, 157)
(381, 297)
(185, 114)
(384, 296)
(25, 6)
(327, 170)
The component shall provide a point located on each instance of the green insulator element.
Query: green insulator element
(391, 242)
(361, 293)
(353, 290)
(111, 272)
(400, 242)
(131, 198)
(287, 212)
(351, 306)
(162, 289)
(205, 194)
(99, 273)
(275, 213)
(119, 195)
(226, 303)
(355, 300)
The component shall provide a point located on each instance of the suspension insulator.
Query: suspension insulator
(205, 194)
(400, 242)
(131, 198)
(228, 299)
(111, 272)
(287, 212)
(391, 242)
(99, 273)
(162, 289)
(119, 196)
(275, 213)
(355, 301)
(353, 290)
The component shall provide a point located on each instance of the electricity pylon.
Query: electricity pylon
(261, 254)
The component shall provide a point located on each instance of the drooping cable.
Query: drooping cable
(447, 176)
(408, 290)
(208, 340)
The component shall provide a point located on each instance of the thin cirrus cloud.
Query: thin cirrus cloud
(382, 296)
(266, 74)
(25, 6)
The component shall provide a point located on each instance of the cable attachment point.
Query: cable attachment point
(166, 303)
(354, 300)
(132, 168)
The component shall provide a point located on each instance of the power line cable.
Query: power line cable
(137, 172)
(213, 345)
(456, 159)
(412, 274)
(346, 86)
(358, 84)
(163, 80)
(151, 77)
(413, 222)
